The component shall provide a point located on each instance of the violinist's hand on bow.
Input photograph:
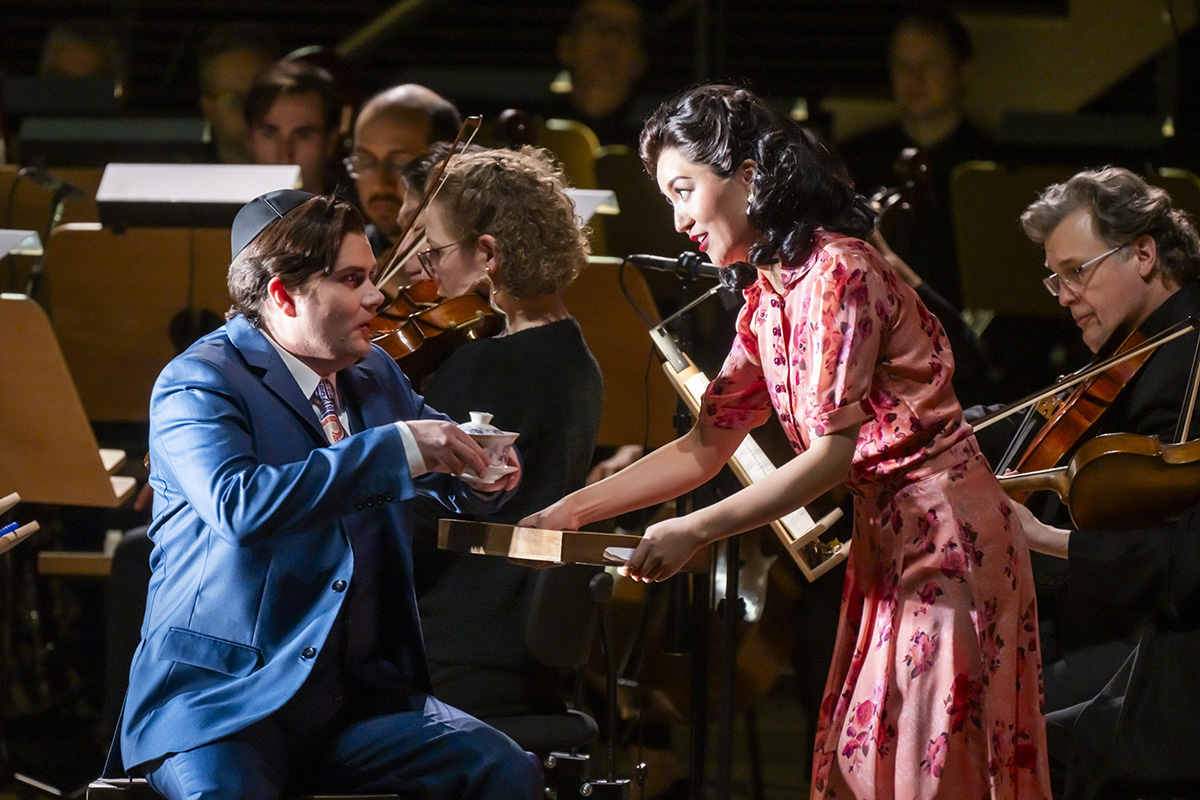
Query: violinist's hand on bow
(664, 550)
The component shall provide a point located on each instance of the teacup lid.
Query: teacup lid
(480, 424)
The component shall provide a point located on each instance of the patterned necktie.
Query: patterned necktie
(329, 416)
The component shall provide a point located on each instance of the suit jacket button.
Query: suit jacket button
(389, 496)
(339, 586)
(360, 504)
(309, 652)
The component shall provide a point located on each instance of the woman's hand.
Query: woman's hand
(555, 517)
(664, 550)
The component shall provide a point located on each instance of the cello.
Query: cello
(415, 326)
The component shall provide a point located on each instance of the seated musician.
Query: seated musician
(392, 128)
(1121, 259)
(293, 110)
(1137, 737)
(502, 221)
(280, 648)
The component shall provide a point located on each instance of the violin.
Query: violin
(414, 325)
(1095, 388)
(1120, 481)
(1070, 419)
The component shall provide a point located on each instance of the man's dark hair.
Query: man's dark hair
(294, 77)
(301, 243)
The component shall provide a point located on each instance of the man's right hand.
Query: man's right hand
(446, 448)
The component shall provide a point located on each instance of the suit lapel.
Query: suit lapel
(261, 356)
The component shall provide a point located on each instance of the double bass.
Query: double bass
(414, 325)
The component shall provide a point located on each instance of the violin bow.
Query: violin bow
(403, 252)
(1175, 331)
(1185, 421)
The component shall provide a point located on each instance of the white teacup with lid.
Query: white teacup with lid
(494, 442)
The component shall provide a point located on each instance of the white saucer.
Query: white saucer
(490, 475)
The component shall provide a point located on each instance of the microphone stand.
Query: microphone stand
(699, 641)
(39, 267)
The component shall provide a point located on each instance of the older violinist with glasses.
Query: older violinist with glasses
(1122, 260)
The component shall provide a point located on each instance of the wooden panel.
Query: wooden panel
(48, 453)
(634, 402)
(112, 299)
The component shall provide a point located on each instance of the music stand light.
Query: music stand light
(19, 243)
(185, 195)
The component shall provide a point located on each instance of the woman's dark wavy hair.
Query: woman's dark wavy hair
(799, 185)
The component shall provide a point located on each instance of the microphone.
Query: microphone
(62, 189)
(687, 265)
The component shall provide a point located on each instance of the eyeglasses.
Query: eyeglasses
(428, 262)
(1073, 278)
(358, 165)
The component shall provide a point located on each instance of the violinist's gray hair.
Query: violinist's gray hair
(1123, 206)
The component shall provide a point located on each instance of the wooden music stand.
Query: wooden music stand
(113, 298)
(48, 452)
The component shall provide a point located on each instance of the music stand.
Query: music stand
(48, 452)
(185, 195)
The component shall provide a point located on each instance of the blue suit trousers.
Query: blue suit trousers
(425, 749)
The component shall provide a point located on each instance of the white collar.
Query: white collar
(306, 378)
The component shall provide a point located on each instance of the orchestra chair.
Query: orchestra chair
(49, 452)
(639, 402)
(645, 224)
(575, 145)
(559, 632)
(123, 305)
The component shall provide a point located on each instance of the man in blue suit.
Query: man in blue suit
(281, 647)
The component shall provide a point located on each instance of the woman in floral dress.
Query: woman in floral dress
(934, 689)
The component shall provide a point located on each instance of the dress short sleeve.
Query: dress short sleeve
(839, 312)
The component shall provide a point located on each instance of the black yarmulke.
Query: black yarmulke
(260, 212)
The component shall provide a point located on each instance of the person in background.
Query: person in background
(1136, 737)
(292, 113)
(929, 61)
(934, 685)
(227, 61)
(602, 49)
(502, 223)
(80, 48)
(392, 128)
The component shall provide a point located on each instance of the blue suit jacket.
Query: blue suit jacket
(252, 559)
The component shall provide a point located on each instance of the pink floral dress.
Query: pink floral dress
(935, 686)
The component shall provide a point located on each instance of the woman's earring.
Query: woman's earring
(749, 203)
